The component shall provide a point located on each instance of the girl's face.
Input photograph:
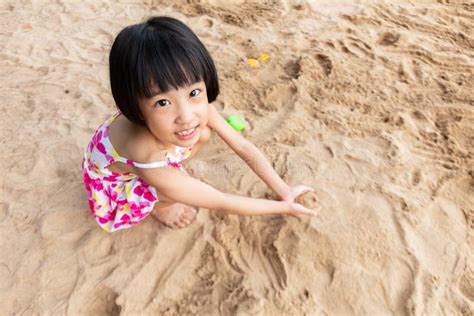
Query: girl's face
(177, 116)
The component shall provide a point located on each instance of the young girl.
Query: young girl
(164, 81)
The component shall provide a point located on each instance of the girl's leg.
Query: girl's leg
(173, 214)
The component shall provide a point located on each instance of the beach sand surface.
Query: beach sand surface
(370, 103)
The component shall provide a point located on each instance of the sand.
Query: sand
(370, 103)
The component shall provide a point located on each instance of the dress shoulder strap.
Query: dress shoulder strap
(149, 165)
(183, 152)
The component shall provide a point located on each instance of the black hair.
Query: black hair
(159, 53)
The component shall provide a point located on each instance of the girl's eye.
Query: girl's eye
(162, 102)
(195, 92)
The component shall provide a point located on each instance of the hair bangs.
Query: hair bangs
(169, 65)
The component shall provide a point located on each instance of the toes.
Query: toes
(187, 217)
(173, 225)
(186, 223)
(181, 223)
(192, 212)
(177, 225)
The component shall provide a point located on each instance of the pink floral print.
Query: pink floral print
(119, 201)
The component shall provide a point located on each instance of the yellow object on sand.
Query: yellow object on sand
(255, 62)
(252, 62)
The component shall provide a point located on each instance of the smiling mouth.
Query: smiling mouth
(187, 132)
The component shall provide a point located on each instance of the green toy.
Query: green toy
(237, 122)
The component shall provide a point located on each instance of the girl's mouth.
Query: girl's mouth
(187, 134)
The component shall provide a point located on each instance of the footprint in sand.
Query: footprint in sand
(388, 38)
(416, 177)
(360, 46)
(278, 97)
(293, 68)
(356, 49)
(102, 301)
(325, 62)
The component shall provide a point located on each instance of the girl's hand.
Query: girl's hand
(298, 210)
(297, 191)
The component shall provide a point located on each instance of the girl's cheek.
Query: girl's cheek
(204, 111)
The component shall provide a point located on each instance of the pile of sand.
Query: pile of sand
(370, 104)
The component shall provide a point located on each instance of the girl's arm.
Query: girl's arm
(180, 187)
(261, 166)
(249, 153)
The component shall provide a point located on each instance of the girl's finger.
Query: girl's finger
(306, 188)
(303, 191)
(300, 208)
(310, 212)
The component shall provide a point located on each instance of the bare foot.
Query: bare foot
(176, 215)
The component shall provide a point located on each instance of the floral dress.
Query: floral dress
(119, 201)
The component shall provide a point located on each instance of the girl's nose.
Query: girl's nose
(185, 114)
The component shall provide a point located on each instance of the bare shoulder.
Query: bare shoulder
(134, 142)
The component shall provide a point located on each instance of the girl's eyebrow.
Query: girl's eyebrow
(158, 92)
